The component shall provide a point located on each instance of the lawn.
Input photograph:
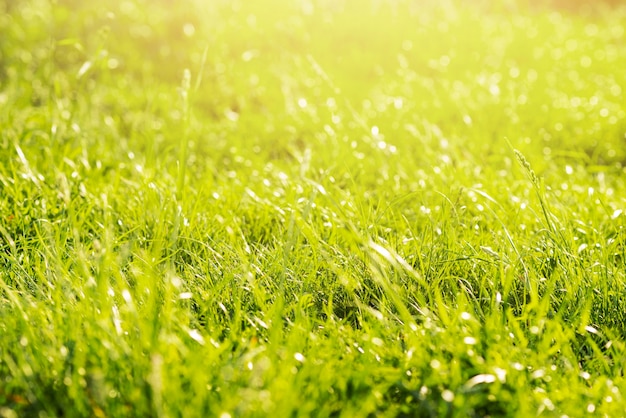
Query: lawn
(329, 208)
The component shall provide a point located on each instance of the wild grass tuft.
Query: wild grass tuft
(346, 209)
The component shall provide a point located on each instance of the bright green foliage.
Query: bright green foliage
(311, 208)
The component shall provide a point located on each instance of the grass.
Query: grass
(312, 209)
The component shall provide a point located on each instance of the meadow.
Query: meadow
(321, 208)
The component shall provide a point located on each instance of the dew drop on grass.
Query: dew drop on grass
(261, 322)
(470, 340)
(117, 321)
(489, 251)
(501, 374)
(195, 335)
(480, 379)
(548, 404)
(189, 30)
(84, 68)
(447, 395)
(126, 296)
(248, 56)
(27, 370)
(231, 115)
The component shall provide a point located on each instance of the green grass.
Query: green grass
(312, 208)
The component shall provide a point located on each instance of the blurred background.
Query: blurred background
(511, 68)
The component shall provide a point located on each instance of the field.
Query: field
(330, 208)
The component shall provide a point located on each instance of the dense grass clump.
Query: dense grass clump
(312, 208)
